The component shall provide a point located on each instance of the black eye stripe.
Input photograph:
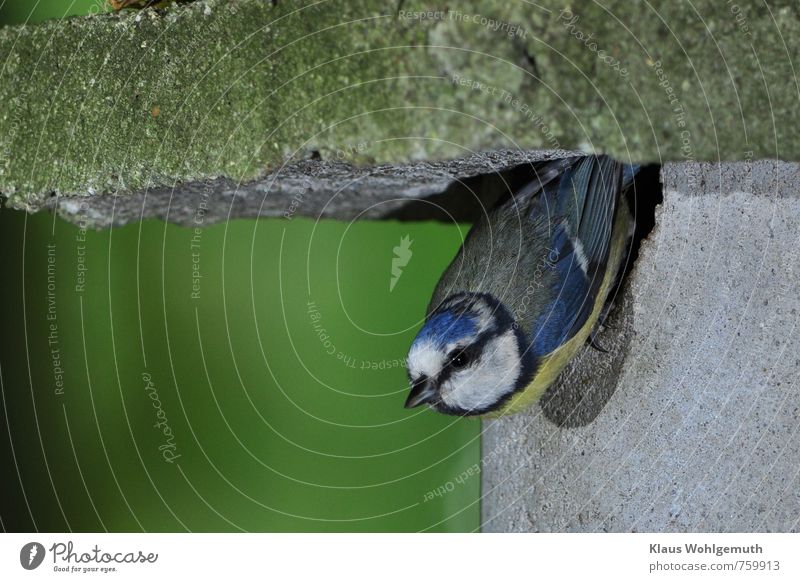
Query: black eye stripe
(459, 359)
(472, 352)
(456, 352)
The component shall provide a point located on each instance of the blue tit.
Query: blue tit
(525, 291)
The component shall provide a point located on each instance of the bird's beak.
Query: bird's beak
(422, 392)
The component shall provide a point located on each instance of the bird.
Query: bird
(526, 290)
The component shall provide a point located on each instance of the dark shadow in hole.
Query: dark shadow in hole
(587, 384)
(466, 201)
(643, 199)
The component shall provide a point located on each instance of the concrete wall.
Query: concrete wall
(161, 100)
(698, 404)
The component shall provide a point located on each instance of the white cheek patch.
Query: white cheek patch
(424, 358)
(487, 380)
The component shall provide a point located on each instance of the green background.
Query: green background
(285, 417)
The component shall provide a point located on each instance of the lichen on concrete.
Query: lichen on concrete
(233, 89)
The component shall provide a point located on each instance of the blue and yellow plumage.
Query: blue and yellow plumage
(525, 291)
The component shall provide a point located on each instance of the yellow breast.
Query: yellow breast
(552, 364)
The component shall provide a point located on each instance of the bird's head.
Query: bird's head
(469, 357)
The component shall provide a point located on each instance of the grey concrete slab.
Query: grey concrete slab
(445, 190)
(115, 104)
(700, 430)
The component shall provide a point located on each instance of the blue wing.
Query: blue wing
(579, 210)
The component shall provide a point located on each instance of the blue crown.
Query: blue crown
(447, 327)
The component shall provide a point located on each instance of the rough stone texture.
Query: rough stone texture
(233, 89)
(701, 429)
(447, 190)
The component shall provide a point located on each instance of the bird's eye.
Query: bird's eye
(459, 359)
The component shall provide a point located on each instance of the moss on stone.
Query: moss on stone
(235, 88)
